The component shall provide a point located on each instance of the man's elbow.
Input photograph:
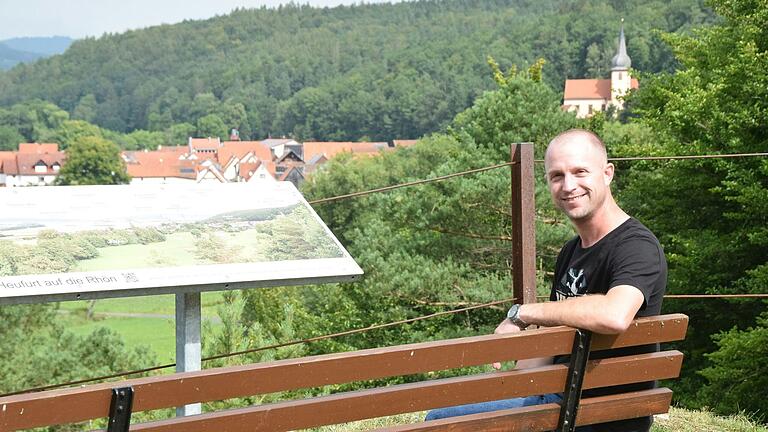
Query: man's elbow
(615, 324)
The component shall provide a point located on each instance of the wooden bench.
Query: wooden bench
(151, 393)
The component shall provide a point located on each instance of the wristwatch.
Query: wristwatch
(514, 316)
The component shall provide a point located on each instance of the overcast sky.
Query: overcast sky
(80, 18)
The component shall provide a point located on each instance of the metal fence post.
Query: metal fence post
(523, 224)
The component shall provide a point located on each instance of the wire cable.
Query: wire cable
(492, 167)
(263, 348)
(346, 333)
(413, 183)
(720, 296)
(379, 326)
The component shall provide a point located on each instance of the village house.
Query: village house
(34, 164)
(588, 96)
(201, 160)
(280, 145)
(165, 165)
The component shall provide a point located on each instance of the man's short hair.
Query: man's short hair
(580, 134)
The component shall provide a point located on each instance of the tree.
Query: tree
(386, 83)
(736, 372)
(86, 109)
(595, 62)
(441, 245)
(71, 131)
(178, 134)
(141, 140)
(91, 161)
(712, 215)
(38, 351)
(33, 119)
(211, 126)
(9, 138)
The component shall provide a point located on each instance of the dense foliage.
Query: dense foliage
(40, 121)
(92, 160)
(712, 214)
(353, 72)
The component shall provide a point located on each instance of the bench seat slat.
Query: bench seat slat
(350, 406)
(79, 404)
(544, 417)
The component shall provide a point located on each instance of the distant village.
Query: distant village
(213, 160)
(201, 160)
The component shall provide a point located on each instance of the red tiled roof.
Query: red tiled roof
(239, 149)
(248, 169)
(587, 89)
(204, 143)
(331, 148)
(591, 88)
(178, 150)
(203, 156)
(143, 164)
(38, 148)
(26, 162)
(213, 170)
(271, 168)
(8, 163)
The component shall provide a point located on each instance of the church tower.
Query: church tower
(620, 80)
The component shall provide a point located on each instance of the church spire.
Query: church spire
(621, 60)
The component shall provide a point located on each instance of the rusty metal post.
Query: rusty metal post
(523, 224)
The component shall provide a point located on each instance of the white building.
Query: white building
(588, 96)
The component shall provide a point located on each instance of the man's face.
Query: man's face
(578, 176)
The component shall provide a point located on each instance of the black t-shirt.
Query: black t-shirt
(628, 255)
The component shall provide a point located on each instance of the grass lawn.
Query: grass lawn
(679, 420)
(159, 333)
(161, 304)
(156, 333)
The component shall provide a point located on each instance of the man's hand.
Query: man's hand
(505, 327)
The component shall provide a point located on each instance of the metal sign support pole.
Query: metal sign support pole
(188, 352)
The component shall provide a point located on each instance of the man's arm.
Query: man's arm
(520, 364)
(611, 313)
(534, 362)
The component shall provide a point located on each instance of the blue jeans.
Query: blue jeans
(498, 405)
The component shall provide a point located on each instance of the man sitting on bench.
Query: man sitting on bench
(612, 272)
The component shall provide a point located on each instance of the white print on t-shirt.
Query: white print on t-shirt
(576, 283)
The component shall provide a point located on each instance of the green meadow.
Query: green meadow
(145, 320)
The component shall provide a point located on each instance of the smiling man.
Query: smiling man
(613, 271)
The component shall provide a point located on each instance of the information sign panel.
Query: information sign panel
(84, 242)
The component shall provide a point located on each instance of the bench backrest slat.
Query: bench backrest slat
(350, 406)
(544, 417)
(79, 404)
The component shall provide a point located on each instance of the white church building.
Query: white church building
(588, 96)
